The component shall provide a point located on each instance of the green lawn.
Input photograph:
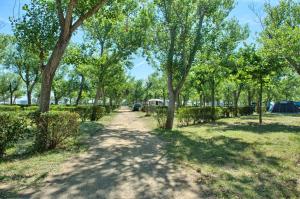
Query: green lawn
(22, 169)
(238, 158)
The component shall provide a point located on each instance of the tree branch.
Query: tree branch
(87, 15)
(68, 19)
(60, 13)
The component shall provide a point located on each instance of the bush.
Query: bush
(12, 127)
(62, 108)
(186, 115)
(161, 116)
(84, 112)
(247, 110)
(55, 128)
(4, 108)
(30, 108)
(97, 112)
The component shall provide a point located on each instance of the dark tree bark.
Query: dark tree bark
(260, 100)
(82, 82)
(236, 97)
(213, 94)
(96, 100)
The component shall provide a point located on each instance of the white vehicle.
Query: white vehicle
(155, 102)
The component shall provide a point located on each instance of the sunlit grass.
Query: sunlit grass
(239, 158)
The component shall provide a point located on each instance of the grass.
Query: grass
(22, 169)
(238, 158)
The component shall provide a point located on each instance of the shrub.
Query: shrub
(161, 116)
(97, 112)
(84, 112)
(62, 108)
(4, 108)
(247, 110)
(12, 127)
(187, 115)
(30, 108)
(55, 128)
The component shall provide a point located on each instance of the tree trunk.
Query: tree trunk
(50, 69)
(249, 97)
(29, 97)
(260, 100)
(97, 97)
(236, 97)
(80, 90)
(171, 105)
(213, 93)
(103, 97)
(110, 102)
(11, 98)
(171, 111)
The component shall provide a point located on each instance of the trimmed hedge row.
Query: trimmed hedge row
(188, 115)
(84, 111)
(51, 130)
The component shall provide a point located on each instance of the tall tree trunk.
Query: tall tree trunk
(171, 105)
(29, 92)
(249, 97)
(260, 100)
(80, 90)
(213, 94)
(110, 102)
(103, 97)
(97, 97)
(236, 97)
(171, 111)
(50, 69)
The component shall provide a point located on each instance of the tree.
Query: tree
(69, 15)
(4, 88)
(24, 63)
(281, 34)
(259, 68)
(182, 28)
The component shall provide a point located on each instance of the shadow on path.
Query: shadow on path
(122, 163)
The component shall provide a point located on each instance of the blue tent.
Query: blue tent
(285, 107)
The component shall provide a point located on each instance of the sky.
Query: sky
(142, 69)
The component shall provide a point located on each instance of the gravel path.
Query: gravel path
(125, 161)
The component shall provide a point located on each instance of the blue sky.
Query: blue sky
(141, 68)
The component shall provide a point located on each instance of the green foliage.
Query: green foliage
(54, 129)
(187, 115)
(38, 28)
(99, 112)
(247, 110)
(281, 34)
(12, 127)
(14, 108)
(160, 115)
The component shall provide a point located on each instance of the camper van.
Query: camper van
(155, 102)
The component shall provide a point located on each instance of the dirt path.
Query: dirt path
(125, 161)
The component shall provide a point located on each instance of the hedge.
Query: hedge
(55, 128)
(189, 115)
(12, 127)
(4, 108)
